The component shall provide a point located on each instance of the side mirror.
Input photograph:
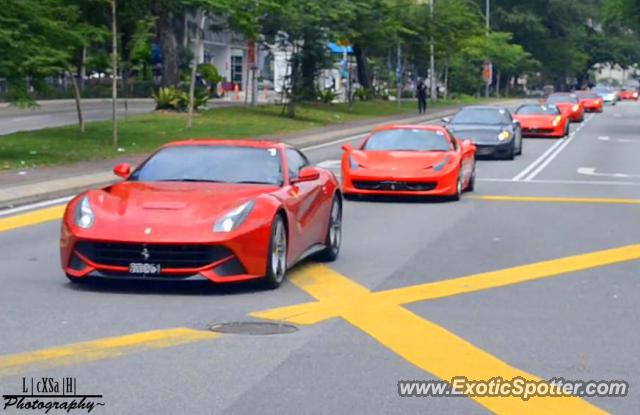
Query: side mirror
(446, 120)
(122, 170)
(467, 143)
(347, 147)
(307, 174)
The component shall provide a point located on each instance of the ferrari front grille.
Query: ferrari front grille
(167, 256)
(390, 185)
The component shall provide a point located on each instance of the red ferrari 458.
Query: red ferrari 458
(218, 210)
(568, 104)
(541, 121)
(591, 101)
(628, 95)
(409, 160)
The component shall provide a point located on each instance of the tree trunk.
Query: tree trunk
(83, 67)
(201, 19)
(364, 75)
(114, 73)
(446, 77)
(76, 96)
(166, 30)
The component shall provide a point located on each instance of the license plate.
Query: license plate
(140, 268)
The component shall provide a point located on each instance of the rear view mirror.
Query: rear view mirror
(307, 174)
(122, 170)
(347, 147)
(446, 120)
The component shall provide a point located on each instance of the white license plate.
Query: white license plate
(144, 268)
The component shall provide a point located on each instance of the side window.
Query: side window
(295, 161)
(507, 116)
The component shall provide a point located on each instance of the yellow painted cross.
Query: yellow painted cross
(427, 345)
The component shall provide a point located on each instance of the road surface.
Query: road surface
(562, 207)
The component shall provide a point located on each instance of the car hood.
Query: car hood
(170, 204)
(399, 161)
(534, 121)
(479, 133)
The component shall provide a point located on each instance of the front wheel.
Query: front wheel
(458, 194)
(519, 153)
(333, 239)
(277, 262)
(472, 180)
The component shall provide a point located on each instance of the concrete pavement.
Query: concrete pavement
(573, 318)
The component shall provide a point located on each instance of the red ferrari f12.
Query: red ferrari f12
(409, 160)
(218, 210)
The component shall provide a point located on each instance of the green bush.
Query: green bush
(174, 99)
(326, 96)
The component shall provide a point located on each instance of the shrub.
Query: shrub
(326, 96)
(174, 99)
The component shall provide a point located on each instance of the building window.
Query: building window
(236, 70)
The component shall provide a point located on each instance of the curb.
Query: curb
(36, 192)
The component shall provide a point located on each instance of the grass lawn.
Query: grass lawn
(142, 133)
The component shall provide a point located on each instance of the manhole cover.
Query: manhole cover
(257, 328)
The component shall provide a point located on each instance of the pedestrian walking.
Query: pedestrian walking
(421, 90)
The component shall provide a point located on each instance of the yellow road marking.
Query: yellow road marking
(545, 199)
(31, 218)
(425, 344)
(314, 312)
(106, 348)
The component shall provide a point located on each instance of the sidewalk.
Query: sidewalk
(32, 185)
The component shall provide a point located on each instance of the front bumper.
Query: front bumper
(240, 258)
(494, 150)
(545, 131)
(364, 182)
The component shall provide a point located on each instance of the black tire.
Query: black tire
(567, 130)
(333, 240)
(519, 153)
(76, 280)
(458, 194)
(276, 273)
(511, 154)
(472, 181)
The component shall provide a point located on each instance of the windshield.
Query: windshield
(202, 163)
(408, 140)
(587, 95)
(537, 110)
(602, 90)
(554, 99)
(480, 116)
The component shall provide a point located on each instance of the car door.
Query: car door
(304, 203)
(466, 151)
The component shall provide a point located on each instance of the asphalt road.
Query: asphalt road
(572, 318)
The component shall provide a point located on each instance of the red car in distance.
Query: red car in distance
(590, 101)
(215, 210)
(628, 95)
(568, 104)
(409, 160)
(541, 121)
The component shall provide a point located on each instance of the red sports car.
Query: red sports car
(591, 101)
(541, 121)
(409, 160)
(220, 210)
(568, 104)
(628, 95)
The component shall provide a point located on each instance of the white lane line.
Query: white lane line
(46, 203)
(544, 181)
(619, 140)
(591, 171)
(537, 161)
(558, 150)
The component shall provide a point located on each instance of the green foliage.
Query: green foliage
(326, 96)
(210, 73)
(170, 98)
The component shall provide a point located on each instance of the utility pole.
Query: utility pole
(114, 73)
(432, 59)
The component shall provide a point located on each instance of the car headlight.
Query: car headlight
(234, 218)
(441, 165)
(504, 135)
(597, 102)
(576, 108)
(635, 95)
(352, 163)
(557, 120)
(84, 217)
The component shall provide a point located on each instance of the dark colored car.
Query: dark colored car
(492, 129)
